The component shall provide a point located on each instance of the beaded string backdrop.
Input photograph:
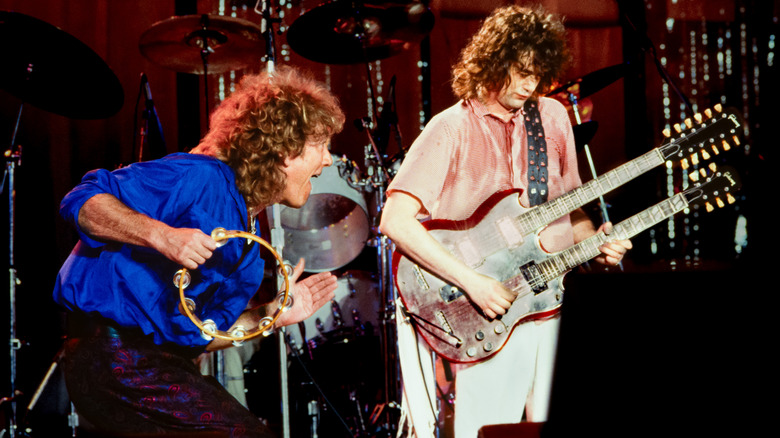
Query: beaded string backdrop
(720, 51)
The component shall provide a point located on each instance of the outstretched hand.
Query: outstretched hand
(308, 294)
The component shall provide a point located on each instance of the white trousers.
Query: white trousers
(517, 378)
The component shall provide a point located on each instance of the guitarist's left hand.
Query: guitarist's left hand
(612, 252)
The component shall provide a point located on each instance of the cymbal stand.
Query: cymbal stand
(13, 159)
(204, 34)
(603, 205)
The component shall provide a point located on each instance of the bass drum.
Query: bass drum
(331, 229)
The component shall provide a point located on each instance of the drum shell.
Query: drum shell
(357, 295)
(332, 228)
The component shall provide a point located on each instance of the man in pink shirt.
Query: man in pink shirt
(472, 150)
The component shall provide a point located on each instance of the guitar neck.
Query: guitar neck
(580, 253)
(543, 214)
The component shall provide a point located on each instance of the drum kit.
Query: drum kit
(335, 226)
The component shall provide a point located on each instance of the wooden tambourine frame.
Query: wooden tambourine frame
(238, 334)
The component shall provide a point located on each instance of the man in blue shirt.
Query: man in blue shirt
(129, 365)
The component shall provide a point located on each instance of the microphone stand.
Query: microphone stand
(275, 222)
(603, 205)
(647, 46)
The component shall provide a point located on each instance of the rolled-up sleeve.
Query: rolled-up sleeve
(93, 183)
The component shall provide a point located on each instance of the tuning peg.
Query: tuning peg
(703, 173)
(730, 198)
(736, 140)
(693, 176)
(718, 107)
(688, 123)
(666, 132)
(697, 117)
(705, 154)
(720, 203)
(726, 145)
(677, 128)
(713, 167)
(708, 113)
(694, 159)
(684, 164)
(715, 149)
(708, 206)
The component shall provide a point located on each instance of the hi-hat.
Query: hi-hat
(48, 68)
(594, 81)
(203, 44)
(340, 32)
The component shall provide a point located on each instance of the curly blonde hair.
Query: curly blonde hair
(511, 37)
(266, 120)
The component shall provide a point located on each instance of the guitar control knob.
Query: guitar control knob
(499, 329)
(488, 346)
(479, 335)
(471, 352)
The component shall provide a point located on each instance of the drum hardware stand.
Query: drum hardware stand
(378, 178)
(13, 159)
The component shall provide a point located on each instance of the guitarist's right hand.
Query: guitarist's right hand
(489, 295)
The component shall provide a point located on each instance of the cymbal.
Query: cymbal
(50, 69)
(339, 32)
(594, 81)
(584, 133)
(178, 44)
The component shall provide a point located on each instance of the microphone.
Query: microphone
(147, 91)
(155, 139)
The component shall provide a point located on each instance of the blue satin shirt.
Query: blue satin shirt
(133, 285)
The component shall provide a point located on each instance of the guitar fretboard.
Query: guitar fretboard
(580, 253)
(543, 214)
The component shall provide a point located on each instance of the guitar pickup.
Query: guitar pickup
(418, 275)
(450, 293)
(532, 275)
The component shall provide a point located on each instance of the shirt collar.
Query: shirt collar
(480, 110)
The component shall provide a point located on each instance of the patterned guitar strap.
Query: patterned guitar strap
(537, 154)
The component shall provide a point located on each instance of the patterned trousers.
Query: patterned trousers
(125, 385)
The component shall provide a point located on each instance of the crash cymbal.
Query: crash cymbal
(594, 81)
(340, 32)
(52, 70)
(584, 132)
(177, 44)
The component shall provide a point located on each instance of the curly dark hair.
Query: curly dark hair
(511, 37)
(267, 119)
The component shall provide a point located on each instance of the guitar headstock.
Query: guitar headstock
(703, 136)
(717, 190)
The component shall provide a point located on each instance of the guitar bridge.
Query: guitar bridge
(447, 328)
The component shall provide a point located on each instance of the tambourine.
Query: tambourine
(237, 334)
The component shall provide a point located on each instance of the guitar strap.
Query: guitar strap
(537, 154)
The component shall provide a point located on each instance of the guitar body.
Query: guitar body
(448, 321)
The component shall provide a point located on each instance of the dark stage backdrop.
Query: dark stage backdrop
(712, 52)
